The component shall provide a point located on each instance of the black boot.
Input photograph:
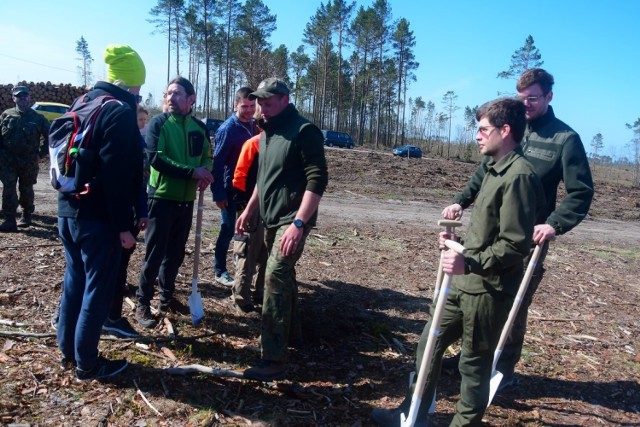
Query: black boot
(9, 225)
(25, 221)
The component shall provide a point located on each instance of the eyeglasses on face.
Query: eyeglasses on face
(531, 99)
(484, 130)
(22, 95)
(138, 99)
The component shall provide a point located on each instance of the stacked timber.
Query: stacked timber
(45, 92)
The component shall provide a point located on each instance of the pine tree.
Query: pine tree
(525, 58)
(82, 48)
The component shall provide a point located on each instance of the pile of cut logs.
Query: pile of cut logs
(45, 92)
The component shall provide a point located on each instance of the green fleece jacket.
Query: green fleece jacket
(176, 145)
(557, 154)
(291, 162)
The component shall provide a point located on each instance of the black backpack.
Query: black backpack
(71, 156)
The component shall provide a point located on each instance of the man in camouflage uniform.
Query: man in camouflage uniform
(23, 140)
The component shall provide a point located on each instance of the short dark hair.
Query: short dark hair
(505, 111)
(533, 76)
(242, 93)
(186, 84)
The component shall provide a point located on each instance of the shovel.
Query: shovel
(496, 376)
(195, 299)
(450, 226)
(410, 419)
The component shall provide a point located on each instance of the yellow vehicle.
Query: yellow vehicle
(50, 110)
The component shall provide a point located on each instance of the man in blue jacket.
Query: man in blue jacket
(229, 140)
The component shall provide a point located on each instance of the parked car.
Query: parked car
(338, 139)
(407, 151)
(212, 125)
(50, 110)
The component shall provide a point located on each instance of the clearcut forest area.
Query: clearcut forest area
(365, 280)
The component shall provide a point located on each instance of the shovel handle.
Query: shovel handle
(450, 226)
(196, 251)
(434, 332)
(449, 223)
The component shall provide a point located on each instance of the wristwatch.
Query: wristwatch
(298, 223)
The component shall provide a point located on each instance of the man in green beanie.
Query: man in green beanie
(95, 227)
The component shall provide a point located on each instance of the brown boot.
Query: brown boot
(9, 225)
(25, 221)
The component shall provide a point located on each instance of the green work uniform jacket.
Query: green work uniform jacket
(500, 233)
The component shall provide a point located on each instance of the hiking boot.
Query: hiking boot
(391, 418)
(386, 417)
(144, 317)
(25, 221)
(451, 363)
(66, 363)
(297, 343)
(104, 369)
(266, 370)
(120, 328)
(172, 305)
(9, 225)
(247, 308)
(257, 298)
(507, 383)
(225, 279)
(55, 317)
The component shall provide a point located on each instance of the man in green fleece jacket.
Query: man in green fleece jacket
(180, 160)
(487, 277)
(557, 154)
(292, 176)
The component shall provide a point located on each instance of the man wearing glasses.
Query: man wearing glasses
(487, 277)
(557, 154)
(23, 141)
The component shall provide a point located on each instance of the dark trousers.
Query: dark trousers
(227, 230)
(478, 320)
(280, 310)
(92, 249)
(165, 239)
(121, 281)
(24, 176)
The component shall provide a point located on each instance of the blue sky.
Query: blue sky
(589, 47)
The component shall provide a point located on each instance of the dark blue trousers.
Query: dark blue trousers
(92, 253)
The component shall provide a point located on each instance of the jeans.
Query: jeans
(165, 238)
(92, 254)
(227, 228)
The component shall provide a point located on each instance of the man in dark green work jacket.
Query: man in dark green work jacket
(487, 277)
(557, 154)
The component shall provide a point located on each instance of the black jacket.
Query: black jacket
(116, 140)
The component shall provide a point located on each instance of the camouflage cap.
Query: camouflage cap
(269, 87)
(19, 89)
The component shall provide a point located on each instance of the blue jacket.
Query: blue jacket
(229, 140)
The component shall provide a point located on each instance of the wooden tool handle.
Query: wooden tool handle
(449, 223)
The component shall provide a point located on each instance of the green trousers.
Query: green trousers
(280, 311)
(478, 320)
